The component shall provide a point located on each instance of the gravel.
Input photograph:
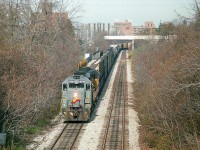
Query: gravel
(45, 139)
(132, 114)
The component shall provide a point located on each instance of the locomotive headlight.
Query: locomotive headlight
(75, 94)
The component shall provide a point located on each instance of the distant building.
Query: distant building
(124, 28)
(138, 29)
(146, 29)
(149, 27)
(149, 24)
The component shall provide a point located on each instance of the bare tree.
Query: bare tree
(38, 50)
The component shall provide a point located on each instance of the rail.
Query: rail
(68, 136)
(115, 129)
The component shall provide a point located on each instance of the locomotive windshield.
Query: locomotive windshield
(73, 85)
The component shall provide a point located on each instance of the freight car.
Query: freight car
(81, 90)
(124, 46)
(85, 61)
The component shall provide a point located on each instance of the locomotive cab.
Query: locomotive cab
(77, 97)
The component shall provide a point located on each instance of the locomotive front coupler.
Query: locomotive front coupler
(75, 111)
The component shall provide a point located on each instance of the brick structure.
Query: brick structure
(146, 29)
(124, 28)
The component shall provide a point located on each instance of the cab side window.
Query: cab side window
(64, 87)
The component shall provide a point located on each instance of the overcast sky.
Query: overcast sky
(136, 11)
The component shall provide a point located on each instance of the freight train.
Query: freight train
(124, 46)
(81, 91)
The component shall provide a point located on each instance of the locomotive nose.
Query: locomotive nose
(76, 98)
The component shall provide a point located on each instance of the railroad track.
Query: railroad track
(67, 137)
(115, 129)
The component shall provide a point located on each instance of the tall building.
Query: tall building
(124, 28)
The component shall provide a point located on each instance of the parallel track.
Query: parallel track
(67, 137)
(115, 129)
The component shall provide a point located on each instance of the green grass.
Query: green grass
(42, 123)
(32, 130)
